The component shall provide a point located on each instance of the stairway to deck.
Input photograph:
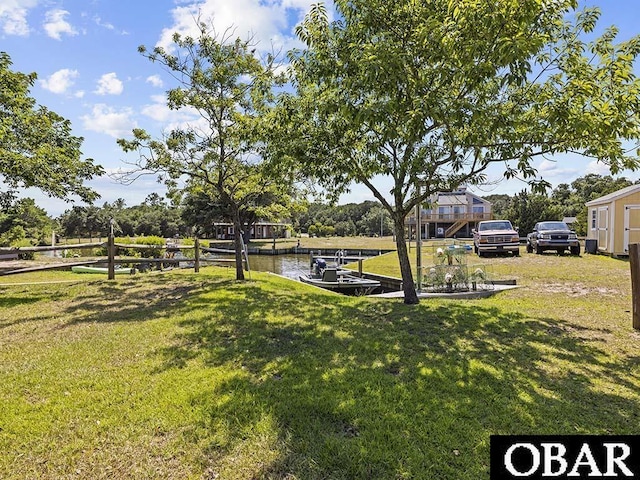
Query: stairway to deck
(455, 227)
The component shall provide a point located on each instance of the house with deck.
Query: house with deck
(449, 215)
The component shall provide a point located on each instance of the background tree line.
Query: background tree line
(525, 209)
(366, 218)
(22, 222)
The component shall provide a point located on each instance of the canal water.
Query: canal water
(287, 265)
(291, 266)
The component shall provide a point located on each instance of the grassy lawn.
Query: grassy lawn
(197, 376)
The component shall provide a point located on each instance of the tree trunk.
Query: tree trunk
(239, 245)
(408, 285)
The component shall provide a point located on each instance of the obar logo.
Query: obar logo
(565, 456)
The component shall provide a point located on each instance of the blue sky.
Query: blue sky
(90, 72)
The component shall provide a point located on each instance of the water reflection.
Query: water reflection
(291, 266)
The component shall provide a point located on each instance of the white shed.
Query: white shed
(614, 221)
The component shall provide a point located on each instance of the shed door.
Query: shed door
(631, 225)
(603, 227)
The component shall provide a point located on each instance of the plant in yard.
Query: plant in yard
(478, 275)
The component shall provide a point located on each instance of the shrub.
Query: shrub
(155, 249)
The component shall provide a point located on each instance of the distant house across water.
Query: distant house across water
(450, 214)
(260, 230)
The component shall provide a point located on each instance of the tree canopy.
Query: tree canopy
(23, 223)
(37, 148)
(217, 157)
(430, 94)
(154, 217)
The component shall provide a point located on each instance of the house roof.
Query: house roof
(461, 193)
(623, 192)
(450, 198)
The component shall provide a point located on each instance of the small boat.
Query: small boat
(103, 270)
(341, 282)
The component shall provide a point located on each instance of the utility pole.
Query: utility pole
(111, 253)
(418, 242)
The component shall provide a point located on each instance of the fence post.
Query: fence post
(111, 253)
(634, 261)
(196, 263)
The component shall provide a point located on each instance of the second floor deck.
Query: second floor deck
(449, 217)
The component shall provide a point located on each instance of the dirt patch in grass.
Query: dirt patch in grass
(577, 290)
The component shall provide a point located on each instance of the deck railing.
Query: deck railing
(449, 217)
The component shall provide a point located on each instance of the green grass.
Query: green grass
(197, 376)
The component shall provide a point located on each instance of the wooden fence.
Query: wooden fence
(634, 261)
(111, 260)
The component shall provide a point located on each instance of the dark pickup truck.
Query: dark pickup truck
(553, 236)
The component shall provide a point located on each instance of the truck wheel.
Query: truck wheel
(575, 250)
(539, 250)
(516, 253)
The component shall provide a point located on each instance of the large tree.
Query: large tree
(222, 79)
(527, 209)
(430, 94)
(25, 216)
(37, 148)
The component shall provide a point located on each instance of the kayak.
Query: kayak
(104, 270)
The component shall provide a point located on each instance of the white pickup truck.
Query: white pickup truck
(496, 236)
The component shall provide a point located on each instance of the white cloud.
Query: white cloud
(173, 119)
(598, 167)
(60, 81)
(547, 166)
(158, 110)
(560, 169)
(263, 22)
(155, 80)
(551, 167)
(13, 16)
(55, 24)
(109, 85)
(108, 25)
(100, 23)
(107, 120)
